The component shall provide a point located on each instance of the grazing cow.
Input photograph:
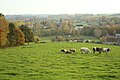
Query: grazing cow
(66, 51)
(73, 50)
(106, 50)
(85, 50)
(63, 50)
(97, 49)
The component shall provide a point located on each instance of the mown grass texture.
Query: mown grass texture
(45, 62)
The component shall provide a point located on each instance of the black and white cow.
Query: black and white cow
(66, 51)
(73, 50)
(106, 50)
(63, 50)
(97, 49)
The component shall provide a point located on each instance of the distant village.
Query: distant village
(106, 27)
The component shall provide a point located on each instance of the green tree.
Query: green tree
(114, 32)
(12, 38)
(97, 32)
(87, 31)
(37, 29)
(29, 37)
(65, 28)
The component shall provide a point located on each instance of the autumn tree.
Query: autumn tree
(3, 39)
(20, 40)
(4, 30)
(4, 24)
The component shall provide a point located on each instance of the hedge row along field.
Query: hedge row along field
(45, 62)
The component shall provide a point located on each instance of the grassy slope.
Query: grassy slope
(45, 62)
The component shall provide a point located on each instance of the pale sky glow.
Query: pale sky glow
(59, 6)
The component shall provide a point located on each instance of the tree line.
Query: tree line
(11, 36)
(100, 31)
(51, 28)
(97, 26)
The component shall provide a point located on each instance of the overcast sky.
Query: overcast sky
(59, 6)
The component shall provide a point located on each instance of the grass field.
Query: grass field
(45, 62)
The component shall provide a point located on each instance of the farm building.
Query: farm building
(109, 40)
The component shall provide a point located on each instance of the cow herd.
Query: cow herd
(87, 50)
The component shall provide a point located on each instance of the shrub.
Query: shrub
(36, 39)
(60, 38)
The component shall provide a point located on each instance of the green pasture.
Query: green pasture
(44, 61)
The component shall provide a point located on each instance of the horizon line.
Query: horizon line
(60, 13)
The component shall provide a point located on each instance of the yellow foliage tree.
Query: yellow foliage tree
(4, 24)
(20, 36)
(4, 30)
(3, 39)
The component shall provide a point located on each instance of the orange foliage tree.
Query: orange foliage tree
(4, 30)
(20, 36)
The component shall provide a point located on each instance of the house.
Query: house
(109, 39)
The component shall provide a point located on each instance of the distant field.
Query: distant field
(48, 38)
(45, 62)
(89, 38)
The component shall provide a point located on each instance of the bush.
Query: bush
(99, 42)
(36, 39)
(92, 41)
(67, 39)
(60, 38)
(53, 40)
